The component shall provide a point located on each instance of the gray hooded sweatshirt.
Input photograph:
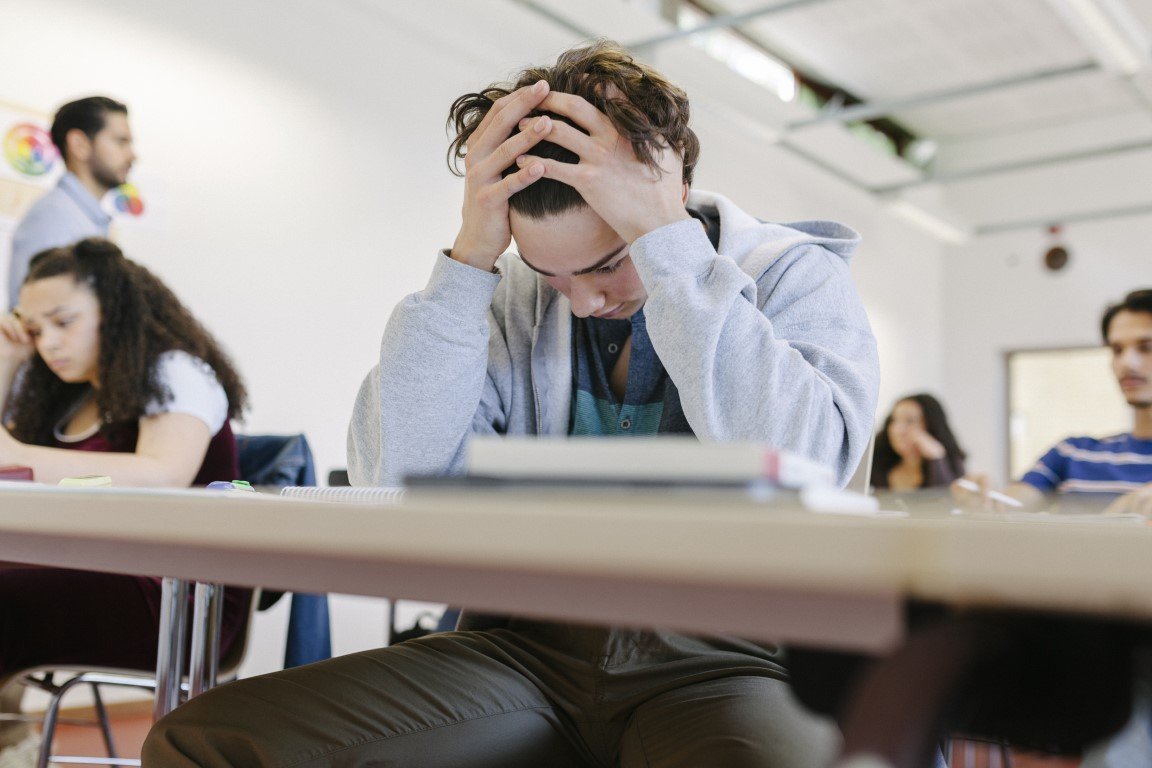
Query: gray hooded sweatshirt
(765, 340)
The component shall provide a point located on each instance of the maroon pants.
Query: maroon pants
(56, 616)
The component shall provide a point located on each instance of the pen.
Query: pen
(968, 485)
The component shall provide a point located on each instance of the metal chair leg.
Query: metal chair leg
(170, 650)
(52, 717)
(105, 723)
(48, 729)
(207, 616)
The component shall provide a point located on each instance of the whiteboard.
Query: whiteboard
(1057, 393)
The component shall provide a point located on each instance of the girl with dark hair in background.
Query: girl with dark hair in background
(916, 448)
(104, 372)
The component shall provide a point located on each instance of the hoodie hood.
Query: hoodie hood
(743, 237)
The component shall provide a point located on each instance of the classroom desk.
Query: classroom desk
(704, 562)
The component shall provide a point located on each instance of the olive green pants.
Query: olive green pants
(533, 695)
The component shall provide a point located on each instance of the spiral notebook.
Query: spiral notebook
(344, 494)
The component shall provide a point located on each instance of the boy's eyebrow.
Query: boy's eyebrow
(1138, 340)
(584, 271)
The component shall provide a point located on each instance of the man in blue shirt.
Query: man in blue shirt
(95, 141)
(1118, 464)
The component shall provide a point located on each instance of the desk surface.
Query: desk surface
(693, 561)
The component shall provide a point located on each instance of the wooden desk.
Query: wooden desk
(691, 561)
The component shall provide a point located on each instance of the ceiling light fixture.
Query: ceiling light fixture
(1110, 31)
(738, 54)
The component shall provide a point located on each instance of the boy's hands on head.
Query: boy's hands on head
(494, 145)
(633, 198)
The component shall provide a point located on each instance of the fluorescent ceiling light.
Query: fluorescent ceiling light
(739, 55)
(929, 221)
(1110, 31)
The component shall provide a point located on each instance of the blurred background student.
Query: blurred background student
(103, 371)
(916, 448)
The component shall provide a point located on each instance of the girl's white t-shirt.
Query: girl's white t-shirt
(194, 388)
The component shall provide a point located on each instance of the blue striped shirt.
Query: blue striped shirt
(1116, 464)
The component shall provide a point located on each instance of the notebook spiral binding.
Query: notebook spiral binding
(344, 495)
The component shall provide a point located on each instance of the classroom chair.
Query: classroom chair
(47, 678)
(265, 461)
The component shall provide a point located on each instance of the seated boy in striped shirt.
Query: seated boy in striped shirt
(1119, 464)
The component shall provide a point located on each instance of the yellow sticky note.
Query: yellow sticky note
(87, 481)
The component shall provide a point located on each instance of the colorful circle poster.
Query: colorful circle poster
(126, 200)
(29, 150)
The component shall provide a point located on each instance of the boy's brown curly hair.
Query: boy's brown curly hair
(643, 106)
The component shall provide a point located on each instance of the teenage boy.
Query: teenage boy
(633, 308)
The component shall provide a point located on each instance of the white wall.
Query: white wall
(295, 152)
(999, 297)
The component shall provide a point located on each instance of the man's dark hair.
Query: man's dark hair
(140, 319)
(89, 115)
(1137, 301)
(643, 106)
(885, 458)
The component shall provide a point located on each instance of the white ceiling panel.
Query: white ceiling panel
(613, 19)
(1142, 87)
(1026, 122)
(1096, 134)
(1056, 193)
(1028, 107)
(887, 49)
(1142, 11)
(836, 147)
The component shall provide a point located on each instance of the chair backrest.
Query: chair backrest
(231, 659)
(276, 460)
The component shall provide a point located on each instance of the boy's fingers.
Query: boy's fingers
(522, 179)
(578, 110)
(566, 136)
(505, 113)
(568, 173)
(506, 154)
